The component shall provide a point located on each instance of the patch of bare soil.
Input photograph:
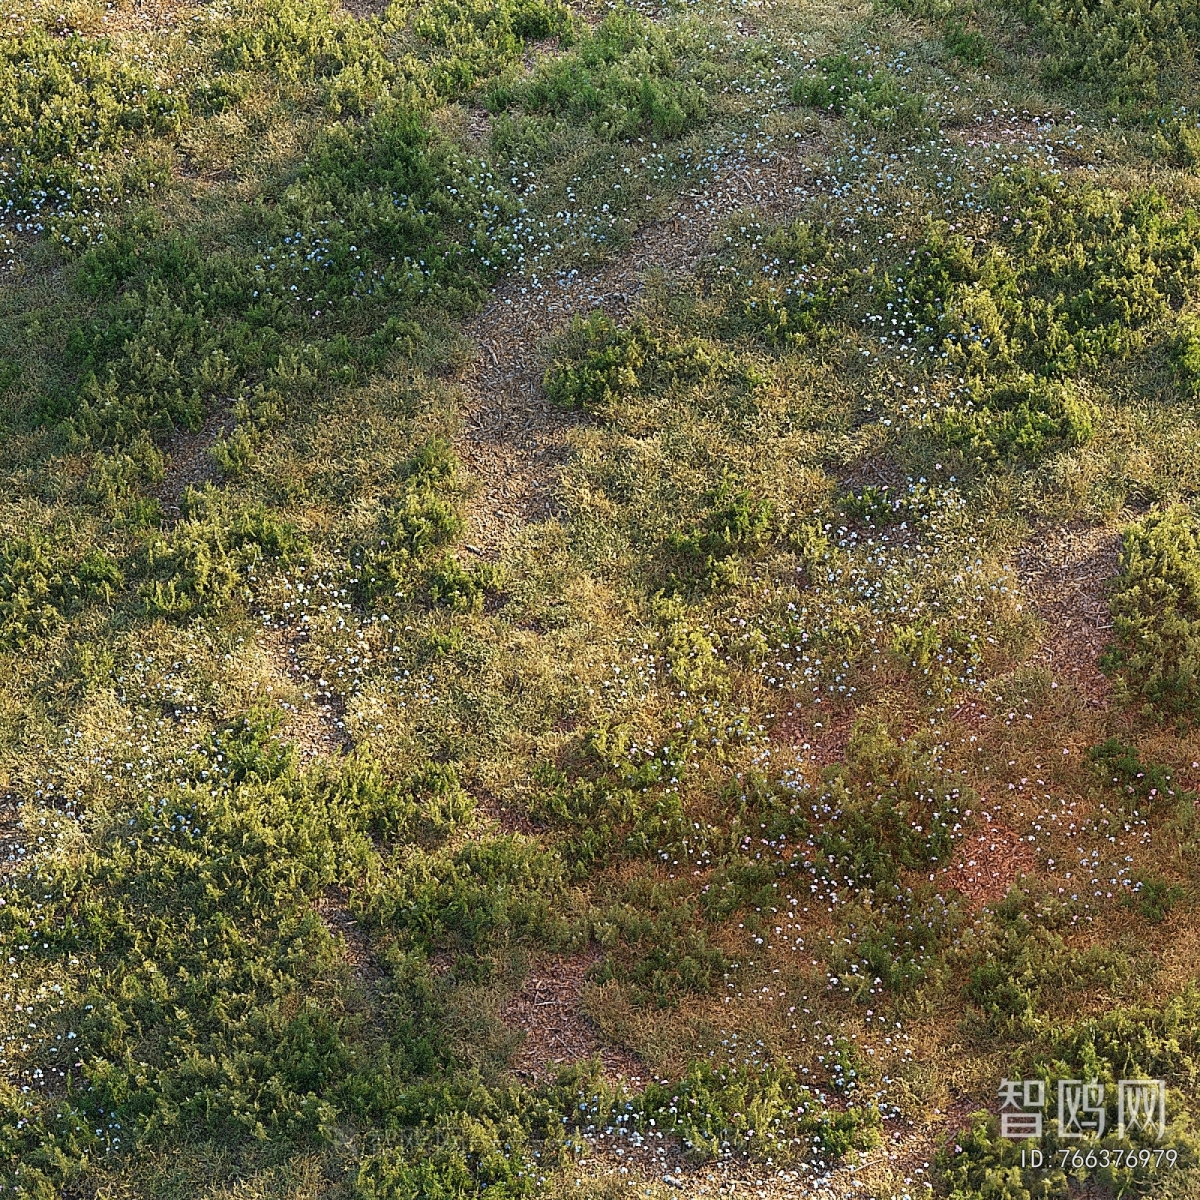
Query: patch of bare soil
(549, 1011)
(824, 746)
(511, 818)
(514, 440)
(365, 9)
(988, 863)
(1065, 572)
(318, 728)
(188, 462)
(333, 909)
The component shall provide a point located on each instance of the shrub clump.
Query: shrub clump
(763, 1111)
(1023, 417)
(409, 555)
(625, 78)
(733, 523)
(600, 363)
(209, 557)
(1120, 49)
(65, 104)
(1156, 614)
(842, 85)
(1074, 276)
(41, 586)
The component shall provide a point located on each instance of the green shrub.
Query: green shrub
(656, 943)
(965, 44)
(842, 85)
(1119, 50)
(1123, 1043)
(1154, 897)
(1015, 962)
(897, 942)
(407, 558)
(460, 1158)
(200, 999)
(233, 454)
(1178, 142)
(786, 281)
(302, 42)
(386, 210)
(759, 1110)
(481, 38)
(733, 523)
(117, 477)
(478, 896)
(623, 79)
(889, 812)
(65, 104)
(599, 363)
(1024, 417)
(461, 588)
(417, 525)
(1143, 1042)
(41, 586)
(383, 215)
(1075, 275)
(1143, 787)
(984, 1166)
(208, 558)
(1185, 356)
(1156, 613)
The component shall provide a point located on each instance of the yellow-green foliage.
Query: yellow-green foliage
(66, 103)
(737, 706)
(1156, 612)
(408, 557)
(208, 558)
(768, 1112)
(1125, 50)
(623, 78)
(844, 85)
(1075, 274)
(42, 584)
(599, 362)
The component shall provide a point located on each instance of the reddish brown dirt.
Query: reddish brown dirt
(548, 1010)
(1066, 572)
(826, 745)
(988, 863)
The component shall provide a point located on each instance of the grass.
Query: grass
(798, 718)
